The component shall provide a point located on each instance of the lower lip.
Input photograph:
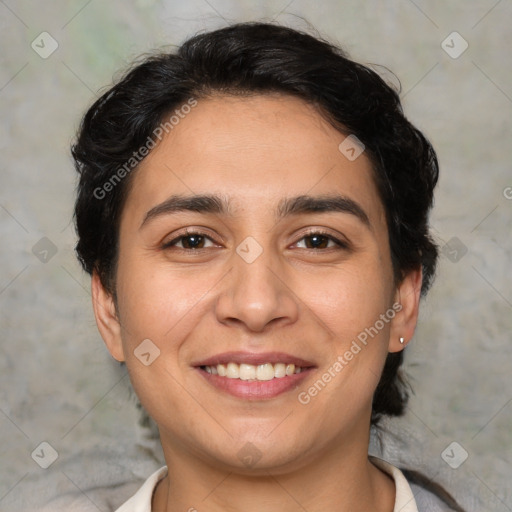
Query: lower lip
(256, 389)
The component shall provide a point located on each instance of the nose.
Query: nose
(256, 295)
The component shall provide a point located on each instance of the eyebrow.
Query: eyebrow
(195, 203)
(288, 206)
(321, 204)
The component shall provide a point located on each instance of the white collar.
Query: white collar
(404, 499)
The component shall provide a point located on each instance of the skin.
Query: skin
(295, 298)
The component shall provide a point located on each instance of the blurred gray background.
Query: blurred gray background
(58, 385)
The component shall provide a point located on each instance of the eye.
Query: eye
(320, 240)
(190, 241)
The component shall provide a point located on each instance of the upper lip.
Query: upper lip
(254, 358)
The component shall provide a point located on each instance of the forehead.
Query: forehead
(252, 150)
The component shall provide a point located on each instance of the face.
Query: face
(254, 262)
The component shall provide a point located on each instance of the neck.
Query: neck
(339, 479)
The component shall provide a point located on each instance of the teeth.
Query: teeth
(247, 372)
(267, 371)
(221, 370)
(232, 371)
(279, 370)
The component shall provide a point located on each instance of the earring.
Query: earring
(401, 341)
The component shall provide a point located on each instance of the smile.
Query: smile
(261, 372)
(254, 376)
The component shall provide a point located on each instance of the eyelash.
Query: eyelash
(340, 244)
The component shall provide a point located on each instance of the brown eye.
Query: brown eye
(316, 240)
(193, 241)
(190, 241)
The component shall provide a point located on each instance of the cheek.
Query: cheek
(348, 299)
(158, 302)
(163, 307)
(354, 305)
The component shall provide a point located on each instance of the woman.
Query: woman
(253, 211)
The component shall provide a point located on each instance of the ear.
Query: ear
(404, 322)
(106, 318)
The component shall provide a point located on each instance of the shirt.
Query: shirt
(404, 500)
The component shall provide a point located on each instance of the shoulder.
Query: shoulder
(141, 500)
(109, 497)
(105, 498)
(412, 494)
(427, 501)
(429, 494)
(415, 492)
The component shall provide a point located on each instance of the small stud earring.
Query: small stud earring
(401, 341)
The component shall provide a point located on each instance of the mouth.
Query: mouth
(245, 371)
(255, 376)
